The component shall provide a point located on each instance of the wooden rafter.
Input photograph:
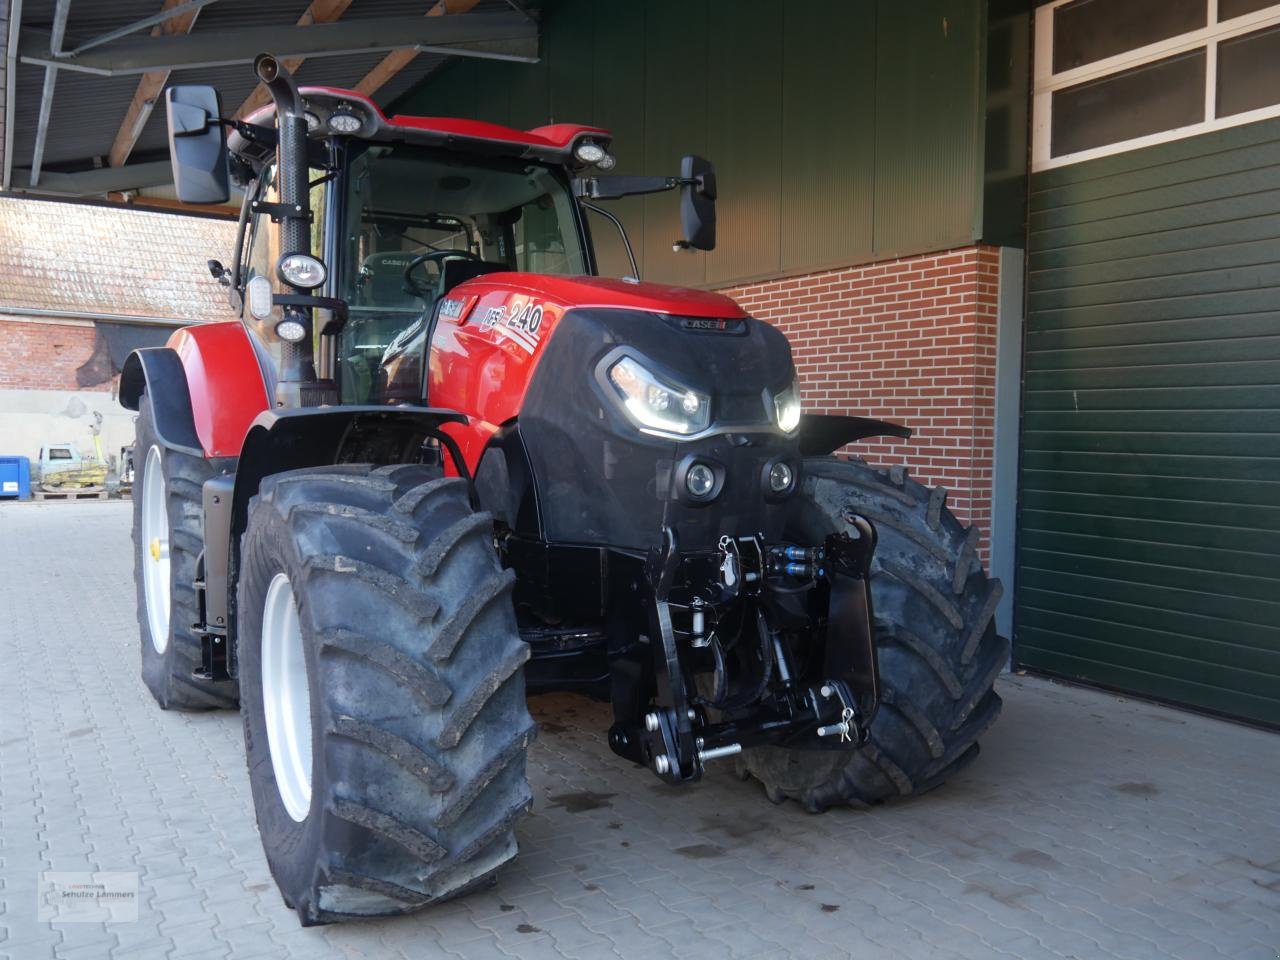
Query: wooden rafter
(397, 60)
(149, 87)
(320, 11)
(164, 203)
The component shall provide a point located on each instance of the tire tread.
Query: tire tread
(425, 707)
(939, 652)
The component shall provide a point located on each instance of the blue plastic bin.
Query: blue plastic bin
(15, 478)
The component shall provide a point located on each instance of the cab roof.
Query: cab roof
(554, 142)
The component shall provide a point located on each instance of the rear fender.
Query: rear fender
(158, 372)
(206, 387)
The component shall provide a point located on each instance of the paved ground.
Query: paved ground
(1090, 827)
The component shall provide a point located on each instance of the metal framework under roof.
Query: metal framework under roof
(81, 78)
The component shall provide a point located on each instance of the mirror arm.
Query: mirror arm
(626, 241)
(252, 132)
(611, 188)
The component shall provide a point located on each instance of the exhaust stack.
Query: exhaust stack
(297, 360)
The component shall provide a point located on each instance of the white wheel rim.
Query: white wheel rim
(154, 549)
(286, 698)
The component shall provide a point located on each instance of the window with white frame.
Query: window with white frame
(1113, 75)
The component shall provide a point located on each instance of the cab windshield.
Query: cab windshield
(416, 222)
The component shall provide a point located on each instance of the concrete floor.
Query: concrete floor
(1091, 826)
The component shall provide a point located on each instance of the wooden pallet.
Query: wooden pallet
(71, 493)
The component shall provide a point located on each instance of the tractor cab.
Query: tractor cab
(396, 213)
(402, 213)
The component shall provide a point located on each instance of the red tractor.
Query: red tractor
(441, 464)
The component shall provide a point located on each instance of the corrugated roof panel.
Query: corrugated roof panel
(88, 109)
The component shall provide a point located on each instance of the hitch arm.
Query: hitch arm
(670, 746)
(851, 641)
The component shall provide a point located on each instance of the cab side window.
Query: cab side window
(264, 242)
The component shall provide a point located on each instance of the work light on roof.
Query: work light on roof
(345, 121)
(592, 154)
(589, 152)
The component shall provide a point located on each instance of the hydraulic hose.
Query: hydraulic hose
(744, 698)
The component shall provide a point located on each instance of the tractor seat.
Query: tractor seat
(382, 281)
(458, 271)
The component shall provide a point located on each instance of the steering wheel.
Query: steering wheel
(432, 256)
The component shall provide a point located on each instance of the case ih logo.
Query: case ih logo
(519, 321)
(711, 326)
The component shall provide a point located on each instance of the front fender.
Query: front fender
(295, 438)
(292, 439)
(823, 433)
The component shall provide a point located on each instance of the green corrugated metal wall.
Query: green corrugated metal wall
(843, 131)
(1149, 546)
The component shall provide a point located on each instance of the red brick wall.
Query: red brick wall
(44, 356)
(910, 340)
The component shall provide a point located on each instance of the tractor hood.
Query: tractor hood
(569, 293)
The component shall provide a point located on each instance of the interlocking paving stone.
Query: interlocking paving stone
(1091, 825)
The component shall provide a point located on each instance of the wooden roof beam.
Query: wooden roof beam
(149, 88)
(397, 60)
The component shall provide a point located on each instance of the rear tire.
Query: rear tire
(167, 605)
(938, 649)
(418, 728)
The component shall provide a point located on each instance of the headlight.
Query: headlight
(300, 270)
(655, 403)
(787, 407)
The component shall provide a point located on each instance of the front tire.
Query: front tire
(168, 535)
(375, 596)
(938, 650)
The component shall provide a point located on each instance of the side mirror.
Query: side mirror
(197, 144)
(698, 202)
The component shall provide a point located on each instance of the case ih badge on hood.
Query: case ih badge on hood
(440, 464)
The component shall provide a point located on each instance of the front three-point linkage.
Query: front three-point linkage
(830, 708)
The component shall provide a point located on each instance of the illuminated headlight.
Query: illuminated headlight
(607, 162)
(655, 403)
(786, 406)
(300, 270)
(291, 330)
(313, 121)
